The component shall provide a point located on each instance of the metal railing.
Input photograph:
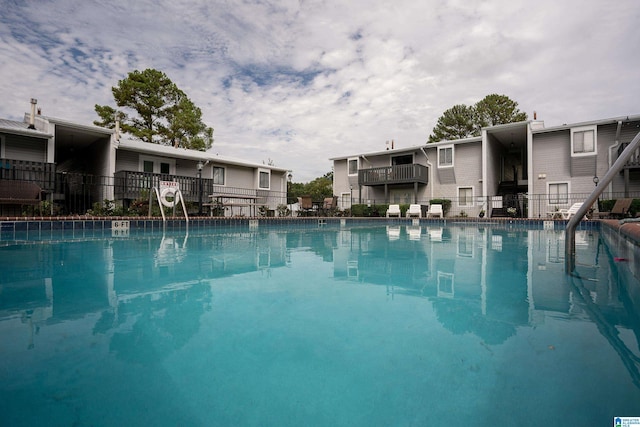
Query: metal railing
(538, 206)
(399, 174)
(75, 193)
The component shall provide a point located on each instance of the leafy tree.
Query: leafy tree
(318, 189)
(455, 123)
(157, 111)
(497, 109)
(461, 121)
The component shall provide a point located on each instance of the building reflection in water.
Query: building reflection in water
(148, 292)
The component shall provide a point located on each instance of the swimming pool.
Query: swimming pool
(331, 326)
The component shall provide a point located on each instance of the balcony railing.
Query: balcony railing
(134, 185)
(634, 160)
(399, 174)
(43, 174)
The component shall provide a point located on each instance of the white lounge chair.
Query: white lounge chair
(568, 213)
(415, 233)
(394, 210)
(414, 210)
(435, 234)
(393, 232)
(435, 210)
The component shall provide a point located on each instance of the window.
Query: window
(150, 164)
(263, 180)
(583, 141)
(406, 159)
(445, 156)
(147, 166)
(465, 196)
(218, 175)
(558, 193)
(352, 166)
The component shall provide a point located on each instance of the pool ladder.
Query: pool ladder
(570, 231)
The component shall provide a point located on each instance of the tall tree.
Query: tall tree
(157, 111)
(461, 121)
(497, 109)
(455, 123)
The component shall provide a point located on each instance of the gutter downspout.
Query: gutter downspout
(611, 147)
(570, 231)
(430, 171)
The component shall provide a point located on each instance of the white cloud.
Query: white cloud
(299, 82)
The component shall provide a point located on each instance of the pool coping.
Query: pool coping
(9, 226)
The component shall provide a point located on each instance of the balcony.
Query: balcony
(399, 174)
(634, 160)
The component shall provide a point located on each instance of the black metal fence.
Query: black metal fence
(76, 194)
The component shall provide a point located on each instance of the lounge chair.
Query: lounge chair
(620, 208)
(394, 210)
(435, 234)
(435, 210)
(415, 233)
(414, 210)
(393, 232)
(568, 213)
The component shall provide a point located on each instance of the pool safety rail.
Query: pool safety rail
(168, 194)
(570, 231)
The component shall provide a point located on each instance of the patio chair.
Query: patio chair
(414, 210)
(435, 210)
(329, 206)
(306, 205)
(568, 213)
(394, 210)
(620, 208)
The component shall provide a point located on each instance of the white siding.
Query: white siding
(23, 148)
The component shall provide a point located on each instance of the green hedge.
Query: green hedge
(364, 210)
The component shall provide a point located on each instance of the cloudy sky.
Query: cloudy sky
(296, 82)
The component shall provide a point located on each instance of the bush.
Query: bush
(606, 205)
(369, 210)
(283, 210)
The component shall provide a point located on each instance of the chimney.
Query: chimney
(117, 127)
(32, 118)
(535, 115)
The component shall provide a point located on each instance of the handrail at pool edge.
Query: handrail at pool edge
(570, 231)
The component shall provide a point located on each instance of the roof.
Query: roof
(600, 122)
(21, 128)
(185, 153)
(411, 148)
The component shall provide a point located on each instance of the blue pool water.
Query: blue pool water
(362, 326)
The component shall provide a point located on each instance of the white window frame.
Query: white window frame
(224, 174)
(557, 201)
(349, 160)
(453, 155)
(471, 201)
(581, 129)
(345, 200)
(156, 163)
(260, 172)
